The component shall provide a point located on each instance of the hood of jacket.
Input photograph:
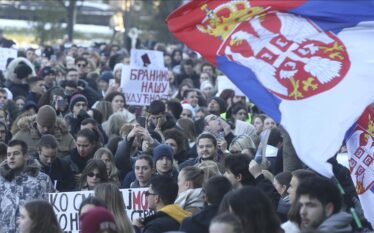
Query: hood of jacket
(175, 212)
(13, 64)
(337, 223)
(28, 123)
(31, 168)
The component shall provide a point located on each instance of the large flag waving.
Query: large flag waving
(360, 146)
(307, 64)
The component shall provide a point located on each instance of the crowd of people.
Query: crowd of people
(212, 162)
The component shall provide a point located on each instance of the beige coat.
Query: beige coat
(28, 133)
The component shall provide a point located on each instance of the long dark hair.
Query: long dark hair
(254, 209)
(42, 216)
(91, 165)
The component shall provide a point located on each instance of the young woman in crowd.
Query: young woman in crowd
(113, 199)
(38, 217)
(188, 128)
(253, 208)
(177, 141)
(107, 157)
(144, 171)
(88, 142)
(94, 173)
(115, 122)
(119, 105)
(281, 183)
(106, 110)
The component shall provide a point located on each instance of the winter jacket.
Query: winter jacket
(124, 160)
(265, 185)
(60, 174)
(91, 95)
(29, 133)
(76, 162)
(337, 223)
(284, 206)
(17, 89)
(166, 219)
(199, 223)
(16, 188)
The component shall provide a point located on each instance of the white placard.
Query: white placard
(5, 54)
(225, 83)
(143, 85)
(66, 206)
(147, 58)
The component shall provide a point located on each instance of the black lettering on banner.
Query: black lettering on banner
(63, 221)
(136, 214)
(130, 200)
(74, 221)
(64, 202)
(52, 200)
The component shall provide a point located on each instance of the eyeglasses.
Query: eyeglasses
(81, 65)
(92, 174)
(147, 193)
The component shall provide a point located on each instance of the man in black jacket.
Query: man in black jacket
(56, 168)
(215, 189)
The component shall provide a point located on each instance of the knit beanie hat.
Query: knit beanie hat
(48, 70)
(96, 219)
(189, 107)
(77, 98)
(221, 102)
(46, 116)
(162, 150)
(205, 85)
(106, 76)
(22, 70)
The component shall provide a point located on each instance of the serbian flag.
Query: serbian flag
(307, 64)
(360, 146)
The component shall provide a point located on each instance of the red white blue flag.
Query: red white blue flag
(307, 64)
(360, 146)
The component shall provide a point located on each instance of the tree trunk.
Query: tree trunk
(71, 18)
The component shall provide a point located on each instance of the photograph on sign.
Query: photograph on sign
(147, 58)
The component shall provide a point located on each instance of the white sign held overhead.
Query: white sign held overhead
(143, 85)
(147, 59)
(5, 54)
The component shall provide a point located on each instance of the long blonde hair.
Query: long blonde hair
(112, 197)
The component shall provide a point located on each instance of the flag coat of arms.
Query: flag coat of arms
(360, 146)
(307, 64)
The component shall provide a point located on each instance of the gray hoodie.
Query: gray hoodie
(337, 223)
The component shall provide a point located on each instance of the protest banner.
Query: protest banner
(66, 206)
(142, 85)
(5, 54)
